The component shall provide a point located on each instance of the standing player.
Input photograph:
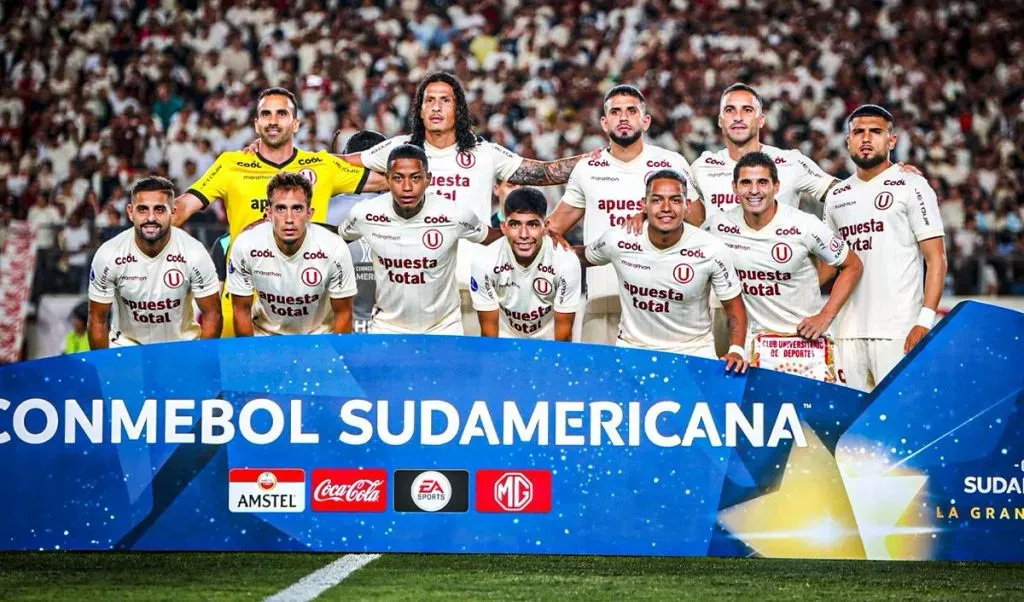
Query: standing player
(665, 276)
(891, 218)
(523, 285)
(301, 275)
(605, 191)
(240, 179)
(413, 236)
(741, 117)
(149, 274)
(772, 246)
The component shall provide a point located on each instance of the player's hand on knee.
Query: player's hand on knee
(914, 337)
(814, 326)
(734, 362)
(635, 224)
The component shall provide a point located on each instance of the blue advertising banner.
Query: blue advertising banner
(451, 444)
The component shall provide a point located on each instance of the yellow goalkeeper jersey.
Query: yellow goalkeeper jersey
(240, 180)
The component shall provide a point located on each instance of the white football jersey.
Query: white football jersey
(293, 293)
(883, 220)
(712, 175)
(152, 296)
(664, 292)
(414, 262)
(526, 297)
(780, 283)
(611, 192)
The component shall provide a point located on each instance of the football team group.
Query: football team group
(713, 259)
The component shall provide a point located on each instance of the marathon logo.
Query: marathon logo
(152, 312)
(868, 227)
(288, 306)
(267, 490)
(405, 276)
(652, 299)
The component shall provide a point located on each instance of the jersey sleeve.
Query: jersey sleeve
(481, 288)
(599, 252)
(724, 280)
(214, 183)
(345, 177)
(811, 178)
(239, 271)
(341, 283)
(829, 221)
(203, 274)
(568, 289)
(505, 161)
(351, 228)
(376, 158)
(925, 220)
(470, 226)
(101, 281)
(679, 164)
(693, 191)
(824, 243)
(574, 195)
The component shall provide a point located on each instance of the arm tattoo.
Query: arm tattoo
(544, 173)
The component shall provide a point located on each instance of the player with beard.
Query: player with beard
(605, 191)
(773, 246)
(302, 276)
(413, 235)
(240, 178)
(523, 285)
(665, 276)
(149, 274)
(891, 219)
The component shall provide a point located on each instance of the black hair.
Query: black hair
(288, 180)
(526, 200)
(465, 138)
(153, 184)
(625, 90)
(664, 174)
(870, 111)
(279, 92)
(407, 151)
(757, 159)
(363, 140)
(741, 87)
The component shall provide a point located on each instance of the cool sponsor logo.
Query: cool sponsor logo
(318, 254)
(628, 246)
(791, 231)
(174, 258)
(521, 490)
(660, 163)
(728, 229)
(350, 490)
(377, 218)
(125, 260)
(431, 490)
(437, 219)
(714, 161)
(261, 253)
(266, 490)
(310, 161)
(842, 189)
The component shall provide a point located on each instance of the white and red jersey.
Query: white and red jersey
(414, 262)
(466, 178)
(612, 191)
(884, 220)
(152, 296)
(664, 292)
(712, 176)
(780, 283)
(293, 292)
(526, 297)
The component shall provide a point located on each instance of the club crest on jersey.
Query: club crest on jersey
(432, 239)
(835, 244)
(883, 201)
(311, 277)
(683, 273)
(782, 252)
(542, 286)
(465, 159)
(174, 278)
(309, 174)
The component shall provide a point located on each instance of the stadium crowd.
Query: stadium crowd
(95, 95)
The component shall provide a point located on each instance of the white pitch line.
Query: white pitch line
(323, 579)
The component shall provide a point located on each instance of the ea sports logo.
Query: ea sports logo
(883, 201)
(431, 491)
(465, 159)
(782, 252)
(266, 481)
(542, 286)
(311, 277)
(513, 491)
(683, 273)
(309, 174)
(432, 239)
(174, 278)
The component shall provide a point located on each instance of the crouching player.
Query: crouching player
(149, 274)
(302, 276)
(772, 246)
(523, 285)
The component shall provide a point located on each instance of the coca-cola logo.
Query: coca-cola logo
(350, 490)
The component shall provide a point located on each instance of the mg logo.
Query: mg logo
(432, 239)
(513, 491)
(173, 278)
(311, 276)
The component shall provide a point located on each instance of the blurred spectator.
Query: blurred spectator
(77, 340)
